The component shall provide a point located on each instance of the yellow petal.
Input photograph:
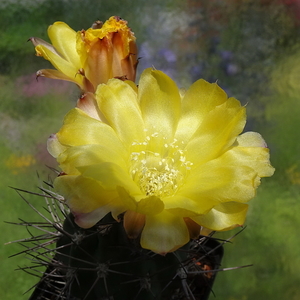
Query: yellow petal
(54, 74)
(60, 64)
(193, 228)
(118, 102)
(63, 39)
(83, 195)
(133, 223)
(223, 179)
(80, 156)
(132, 84)
(125, 53)
(110, 49)
(199, 99)
(116, 24)
(87, 103)
(160, 103)
(224, 216)
(54, 147)
(98, 64)
(164, 233)
(88, 220)
(37, 41)
(151, 205)
(113, 24)
(81, 129)
(110, 176)
(181, 205)
(251, 139)
(251, 150)
(217, 132)
(234, 175)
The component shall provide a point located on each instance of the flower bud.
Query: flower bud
(89, 57)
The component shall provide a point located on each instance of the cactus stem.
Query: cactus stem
(101, 263)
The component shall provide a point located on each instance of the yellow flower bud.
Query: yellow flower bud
(89, 57)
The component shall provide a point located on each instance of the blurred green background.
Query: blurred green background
(251, 47)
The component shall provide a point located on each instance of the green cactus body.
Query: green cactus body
(102, 263)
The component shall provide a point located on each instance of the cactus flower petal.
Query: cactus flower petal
(164, 232)
(224, 216)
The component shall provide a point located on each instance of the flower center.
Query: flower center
(158, 168)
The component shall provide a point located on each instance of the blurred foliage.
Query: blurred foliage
(21, 20)
(251, 47)
(269, 243)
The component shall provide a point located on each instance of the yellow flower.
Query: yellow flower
(89, 57)
(172, 161)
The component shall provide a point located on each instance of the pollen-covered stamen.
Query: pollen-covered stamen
(162, 172)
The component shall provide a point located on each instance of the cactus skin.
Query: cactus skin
(102, 263)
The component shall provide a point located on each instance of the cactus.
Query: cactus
(102, 263)
(137, 150)
(115, 118)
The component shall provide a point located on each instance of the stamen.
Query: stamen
(159, 173)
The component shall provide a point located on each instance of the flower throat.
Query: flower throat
(158, 167)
